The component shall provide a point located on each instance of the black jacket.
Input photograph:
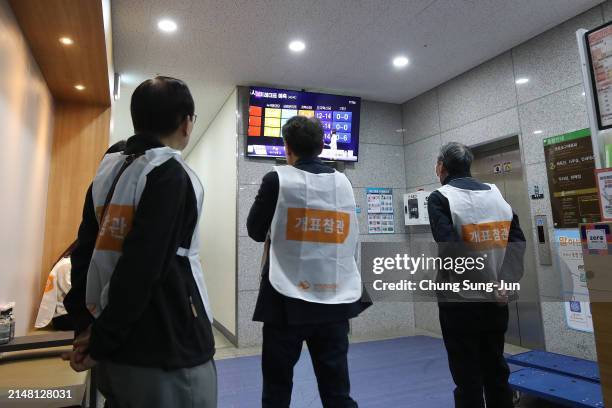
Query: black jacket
(443, 231)
(273, 307)
(149, 319)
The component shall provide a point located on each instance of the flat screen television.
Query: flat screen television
(269, 110)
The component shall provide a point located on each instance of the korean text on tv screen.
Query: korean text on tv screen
(269, 110)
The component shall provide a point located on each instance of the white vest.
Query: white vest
(119, 216)
(314, 237)
(52, 303)
(482, 220)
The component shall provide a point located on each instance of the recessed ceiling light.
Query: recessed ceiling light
(167, 25)
(297, 46)
(79, 87)
(522, 81)
(537, 132)
(400, 61)
(66, 40)
(583, 94)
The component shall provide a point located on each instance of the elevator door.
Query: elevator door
(500, 163)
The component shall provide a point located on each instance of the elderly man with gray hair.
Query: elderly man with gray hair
(468, 217)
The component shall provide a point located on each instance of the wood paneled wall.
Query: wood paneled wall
(80, 138)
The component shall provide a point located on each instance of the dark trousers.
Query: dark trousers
(328, 347)
(474, 340)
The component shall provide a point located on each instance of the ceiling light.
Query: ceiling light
(79, 87)
(297, 46)
(583, 94)
(167, 25)
(400, 61)
(522, 81)
(537, 132)
(66, 40)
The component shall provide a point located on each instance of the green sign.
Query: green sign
(570, 166)
(567, 137)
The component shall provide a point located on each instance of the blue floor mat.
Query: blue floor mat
(569, 391)
(575, 367)
(409, 371)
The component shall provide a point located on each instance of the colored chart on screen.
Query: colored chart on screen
(270, 109)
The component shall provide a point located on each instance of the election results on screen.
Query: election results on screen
(270, 109)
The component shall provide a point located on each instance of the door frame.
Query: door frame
(502, 145)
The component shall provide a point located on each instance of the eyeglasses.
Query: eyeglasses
(194, 117)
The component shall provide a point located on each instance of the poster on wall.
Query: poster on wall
(599, 46)
(578, 316)
(573, 279)
(604, 187)
(571, 183)
(380, 211)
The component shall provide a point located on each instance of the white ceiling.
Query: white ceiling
(350, 44)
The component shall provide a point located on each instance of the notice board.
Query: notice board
(570, 166)
(380, 211)
(599, 47)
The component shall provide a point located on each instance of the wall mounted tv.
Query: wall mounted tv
(269, 110)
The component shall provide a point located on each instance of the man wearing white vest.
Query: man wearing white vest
(138, 297)
(310, 285)
(465, 214)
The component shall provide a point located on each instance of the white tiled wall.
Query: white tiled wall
(423, 152)
(480, 92)
(502, 124)
(379, 166)
(380, 124)
(550, 59)
(553, 114)
(422, 115)
(485, 104)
